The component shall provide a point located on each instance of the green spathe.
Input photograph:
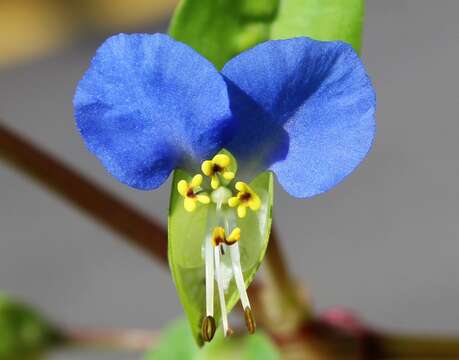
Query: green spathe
(188, 231)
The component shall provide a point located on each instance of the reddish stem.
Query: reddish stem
(84, 194)
(130, 339)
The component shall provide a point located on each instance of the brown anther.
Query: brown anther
(208, 328)
(249, 320)
(190, 193)
(216, 168)
(229, 243)
(218, 240)
(245, 197)
(222, 251)
(229, 332)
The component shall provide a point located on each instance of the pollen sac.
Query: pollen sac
(245, 198)
(219, 236)
(190, 191)
(219, 169)
(208, 328)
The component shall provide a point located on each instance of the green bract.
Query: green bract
(188, 232)
(321, 20)
(221, 29)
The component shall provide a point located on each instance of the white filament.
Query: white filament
(209, 259)
(220, 289)
(237, 271)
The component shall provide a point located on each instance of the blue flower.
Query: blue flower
(301, 108)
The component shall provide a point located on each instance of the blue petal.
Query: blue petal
(149, 104)
(306, 110)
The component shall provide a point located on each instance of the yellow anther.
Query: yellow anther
(234, 237)
(219, 236)
(218, 165)
(189, 191)
(196, 181)
(245, 198)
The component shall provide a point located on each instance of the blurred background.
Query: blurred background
(384, 243)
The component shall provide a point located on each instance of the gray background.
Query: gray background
(385, 242)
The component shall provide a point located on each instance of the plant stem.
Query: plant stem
(81, 192)
(390, 346)
(131, 339)
(285, 307)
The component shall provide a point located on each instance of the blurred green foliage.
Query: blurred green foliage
(24, 334)
(321, 20)
(177, 343)
(221, 29)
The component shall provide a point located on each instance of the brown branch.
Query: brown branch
(282, 305)
(391, 346)
(81, 192)
(119, 339)
(276, 266)
(336, 334)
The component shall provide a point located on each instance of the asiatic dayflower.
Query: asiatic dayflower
(300, 109)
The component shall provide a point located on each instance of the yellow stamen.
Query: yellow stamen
(196, 181)
(203, 199)
(234, 237)
(215, 167)
(214, 182)
(219, 236)
(189, 204)
(189, 191)
(228, 175)
(206, 168)
(221, 160)
(245, 198)
(182, 187)
(241, 211)
(233, 201)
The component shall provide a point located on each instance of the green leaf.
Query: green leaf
(186, 235)
(221, 29)
(321, 20)
(250, 347)
(177, 343)
(24, 334)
